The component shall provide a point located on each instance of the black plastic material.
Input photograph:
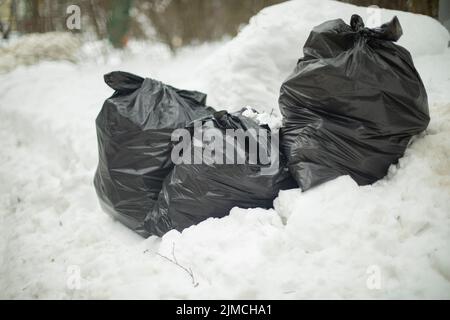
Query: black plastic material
(352, 104)
(195, 192)
(134, 131)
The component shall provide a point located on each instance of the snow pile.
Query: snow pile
(32, 48)
(248, 74)
(390, 240)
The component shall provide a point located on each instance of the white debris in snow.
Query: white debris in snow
(389, 240)
(263, 118)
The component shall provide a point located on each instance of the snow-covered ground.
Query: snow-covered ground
(335, 241)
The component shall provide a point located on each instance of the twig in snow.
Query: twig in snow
(175, 262)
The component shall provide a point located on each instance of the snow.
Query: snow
(330, 242)
(32, 48)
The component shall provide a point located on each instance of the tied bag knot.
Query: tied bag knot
(390, 31)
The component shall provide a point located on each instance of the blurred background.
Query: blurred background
(110, 31)
(176, 23)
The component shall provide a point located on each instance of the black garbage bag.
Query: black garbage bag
(134, 131)
(195, 192)
(352, 104)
